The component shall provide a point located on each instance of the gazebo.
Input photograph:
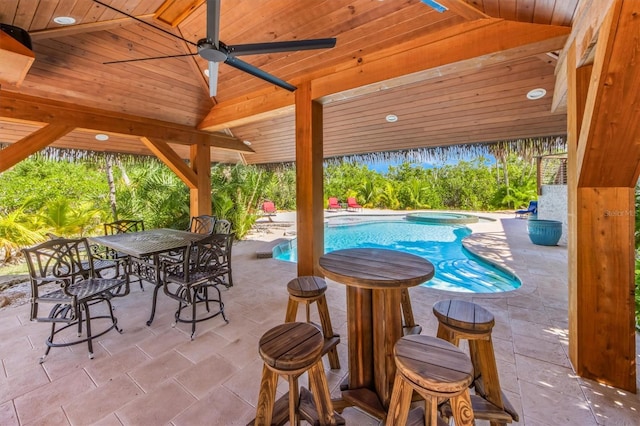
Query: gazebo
(458, 75)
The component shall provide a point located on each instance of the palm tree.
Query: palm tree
(15, 233)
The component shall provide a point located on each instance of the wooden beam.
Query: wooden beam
(501, 41)
(15, 60)
(36, 141)
(173, 12)
(609, 148)
(588, 19)
(85, 28)
(168, 156)
(464, 9)
(200, 196)
(309, 186)
(22, 107)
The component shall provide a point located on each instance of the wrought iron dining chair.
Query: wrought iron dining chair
(203, 224)
(223, 227)
(189, 278)
(62, 275)
(122, 226)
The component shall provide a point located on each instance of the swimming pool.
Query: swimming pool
(456, 268)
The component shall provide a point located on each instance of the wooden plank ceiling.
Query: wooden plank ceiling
(472, 101)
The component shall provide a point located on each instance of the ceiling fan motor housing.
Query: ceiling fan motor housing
(208, 51)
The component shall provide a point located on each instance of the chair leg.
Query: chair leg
(327, 330)
(89, 338)
(193, 314)
(266, 397)
(400, 402)
(292, 311)
(294, 401)
(320, 390)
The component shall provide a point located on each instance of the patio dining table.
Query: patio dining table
(374, 279)
(144, 249)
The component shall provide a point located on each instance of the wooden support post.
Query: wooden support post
(309, 175)
(603, 170)
(200, 197)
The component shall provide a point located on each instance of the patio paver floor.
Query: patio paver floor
(156, 375)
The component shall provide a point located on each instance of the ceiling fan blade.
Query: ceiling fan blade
(257, 72)
(144, 22)
(148, 59)
(281, 46)
(213, 78)
(213, 22)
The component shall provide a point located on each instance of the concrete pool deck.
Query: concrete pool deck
(156, 375)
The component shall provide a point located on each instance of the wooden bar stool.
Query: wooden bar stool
(307, 290)
(435, 369)
(458, 319)
(289, 350)
(409, 325)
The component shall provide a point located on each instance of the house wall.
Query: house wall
(552, 205)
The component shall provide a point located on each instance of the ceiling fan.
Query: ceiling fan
(215, 51)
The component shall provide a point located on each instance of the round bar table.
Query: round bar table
(374, 279)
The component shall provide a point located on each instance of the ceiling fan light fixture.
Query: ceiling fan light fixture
(536, 94)
(64, 20)
(102, 137)
(391, 118)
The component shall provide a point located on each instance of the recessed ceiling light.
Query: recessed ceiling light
(206, 72)
(391, 118)
(536, 94)
(247, 143)
(64, 20)
(102, 137)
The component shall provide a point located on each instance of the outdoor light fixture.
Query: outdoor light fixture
(536, 94)
(102, 137)
(64, 20)
(391, 118)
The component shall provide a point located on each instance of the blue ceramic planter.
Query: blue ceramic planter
(544, 232)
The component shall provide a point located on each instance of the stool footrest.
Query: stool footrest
(330, 343)
(508, 407)
(365, 399)
(482, 410)
(308, 410)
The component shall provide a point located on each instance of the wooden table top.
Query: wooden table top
(375, 268)
(145, 243)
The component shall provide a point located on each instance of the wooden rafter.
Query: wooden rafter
(21, 107)
(501, 40)
(37, 140)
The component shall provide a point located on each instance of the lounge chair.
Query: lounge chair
(352, 204)
(333, 204)
(532, 209)
(268, 208)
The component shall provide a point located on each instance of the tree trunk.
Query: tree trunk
(112, 187)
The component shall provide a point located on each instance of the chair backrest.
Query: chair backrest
(203, 224)
(333, 201)
(123, 226)
(222, 226)
(268, 207)
(351, 201)
(199, 261)
(57, 263)
(533, 206)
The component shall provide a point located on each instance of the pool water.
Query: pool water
(456, 268)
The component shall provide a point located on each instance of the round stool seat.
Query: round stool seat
(434, 365)
(291, 346)
(308, 286)
(462, 315)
